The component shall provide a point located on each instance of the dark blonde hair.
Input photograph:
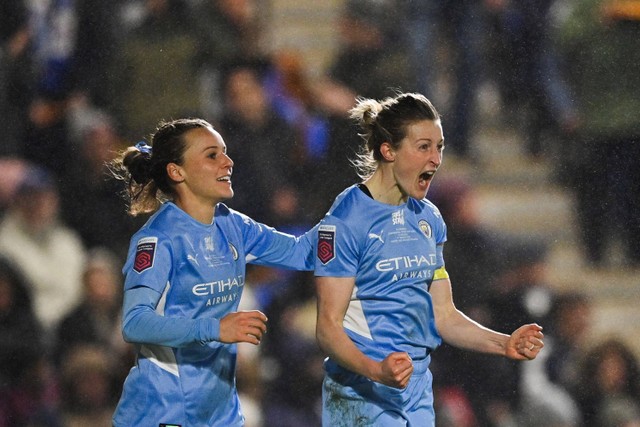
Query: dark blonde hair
(387, 121)
(144, 167)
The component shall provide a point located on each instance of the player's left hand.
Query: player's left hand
(525, 342)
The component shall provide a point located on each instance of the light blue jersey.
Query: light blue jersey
(393, 253)
(192, 275)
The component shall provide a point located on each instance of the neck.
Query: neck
(384, 188)
(200, 211)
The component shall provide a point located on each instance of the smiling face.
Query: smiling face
(204, 178)
(418, 157)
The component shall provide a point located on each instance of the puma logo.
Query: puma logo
(377, 236)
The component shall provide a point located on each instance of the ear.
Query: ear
(387, 152)
(175, 172)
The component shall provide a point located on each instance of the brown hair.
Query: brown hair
(144, 167)
(387, 121)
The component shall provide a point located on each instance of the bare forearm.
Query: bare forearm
(339, 347)
(460, 331)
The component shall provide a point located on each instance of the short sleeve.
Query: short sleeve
(337, 251)
(148, 262)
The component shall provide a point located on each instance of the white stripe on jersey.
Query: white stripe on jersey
(161, 356)
(354, 319)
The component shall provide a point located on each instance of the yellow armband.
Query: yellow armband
(440, 273)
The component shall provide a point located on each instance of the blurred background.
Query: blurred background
(539, 188)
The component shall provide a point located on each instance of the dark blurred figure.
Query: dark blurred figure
(96, 319)
(156, 69)
(89, 387)
(519, 292)
(46, 139)
(530, 75)
(261, 143)
(228, 31)
(49, 254)
(16, 75)
(292, 394)
(91, 200)
(290, 93)
(32, 399)
(99, 28)
(453, 28)
(13, 171)
(472, 250)
(20, 332)
(601, 39)
(372, 61)
(499, 281)
(568, 333)
(609, 393)
(549, 384)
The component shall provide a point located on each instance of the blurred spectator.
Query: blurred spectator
(20, 333)
(471, 247)
(473, 253)
(609, 392)
(32, 400)
(46, 139)
(98, 27)
(251, 128)
(601, 39)
(96, 319)
(529, 73)
(293, 361)
(453, 28)
(88, 387)
(290, 94)
(249, 367)
(228, 31)
(16, 76)
(54, 27)
(550, 382)
(91, 202)
(499, 280)
(50, 255)
(156, 69)
(519, 290)
(567, 338)
(13, 172)
(370, 61)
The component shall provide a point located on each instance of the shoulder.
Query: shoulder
(227, 216)
(162, 224)
(348, 204)
(431, 207)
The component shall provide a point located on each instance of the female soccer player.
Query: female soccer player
(384, 296)
(185, 274)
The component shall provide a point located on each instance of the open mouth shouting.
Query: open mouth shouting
(426, 177)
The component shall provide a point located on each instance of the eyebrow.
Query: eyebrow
(429, 140)
(214, 147)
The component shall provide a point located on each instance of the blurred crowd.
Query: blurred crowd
(82, 79)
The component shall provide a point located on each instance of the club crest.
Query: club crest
(425, 228)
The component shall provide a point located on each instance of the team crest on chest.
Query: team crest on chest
(425, 228)
(234, 251)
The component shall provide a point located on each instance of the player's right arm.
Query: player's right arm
(141, 324)
(334, 294)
